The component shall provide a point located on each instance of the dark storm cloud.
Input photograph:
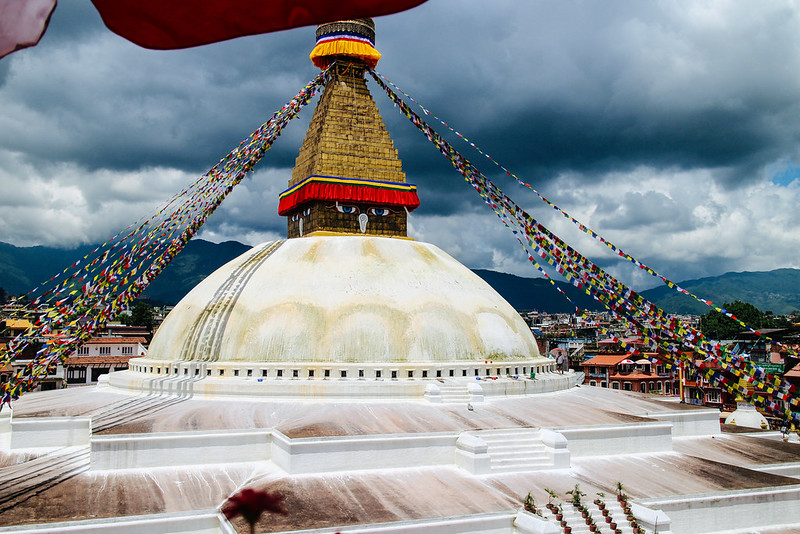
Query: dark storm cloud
(658, 124)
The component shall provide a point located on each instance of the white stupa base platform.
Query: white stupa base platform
(448, 382)
(106, 459)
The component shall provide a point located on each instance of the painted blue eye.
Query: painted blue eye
(306, 212)
(380, 212)
(346, 209)
(295, 217)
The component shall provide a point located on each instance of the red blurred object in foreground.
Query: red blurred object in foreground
(250, 504)
(170, 24)
(22, 23)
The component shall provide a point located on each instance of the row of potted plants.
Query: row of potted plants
(576, 499)
(622, 497)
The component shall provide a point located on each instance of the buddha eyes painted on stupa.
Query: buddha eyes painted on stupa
(355, 210)
(305, 213)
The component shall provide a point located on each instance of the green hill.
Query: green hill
(23, 268)
(777, 291)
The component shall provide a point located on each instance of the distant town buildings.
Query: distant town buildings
(109, 351)
(589, 342)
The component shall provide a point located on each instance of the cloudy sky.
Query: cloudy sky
(670, 128)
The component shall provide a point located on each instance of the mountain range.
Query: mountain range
(23, 268)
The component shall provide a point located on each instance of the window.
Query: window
(603, 385)
(592, 383)
(627, 386)
(463, 372)
(424, 374)
(615, 385)
(186, 371)
(249, 372)
(197, 372)
(295, 373)
(105, 350)
(97, 372)
(438, 373)
(127, 350)
(208, 372)
(280, 373)
(394, 374)
(452, 372)
(343, 374)
(360, 373)
(235, 372)
(263, 372)
(310, 373)
(76, 375)
(411, 374)
(83, 351)
(377, 374)
(222, 372)
(327, 373)
(712, 395)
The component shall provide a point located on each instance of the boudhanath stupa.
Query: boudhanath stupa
(375, 382)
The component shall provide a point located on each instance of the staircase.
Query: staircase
(454, 393)
(578, 523)
(515, 449)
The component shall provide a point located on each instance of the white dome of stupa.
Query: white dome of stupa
(344, 307)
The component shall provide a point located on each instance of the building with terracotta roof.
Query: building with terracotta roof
(100, 356)
(620, 371)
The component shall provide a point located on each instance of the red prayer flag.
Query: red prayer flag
(171, 24)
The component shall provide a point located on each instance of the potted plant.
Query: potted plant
(576, 494)
(612, 525)
(600, 500)
(559, 513)
(550, 496)
(529, 504)
(621, 497)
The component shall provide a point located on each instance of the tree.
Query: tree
(718, 326)
(141, 315)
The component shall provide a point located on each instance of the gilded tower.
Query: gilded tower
(347, 177)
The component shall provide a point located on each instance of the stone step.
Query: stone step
(490, 432)
(517, 458)
(576, 521)
(526, 446)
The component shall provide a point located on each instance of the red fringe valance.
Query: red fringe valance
(347, 190)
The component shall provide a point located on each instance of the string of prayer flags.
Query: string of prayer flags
(73, 305)
(662, 331)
